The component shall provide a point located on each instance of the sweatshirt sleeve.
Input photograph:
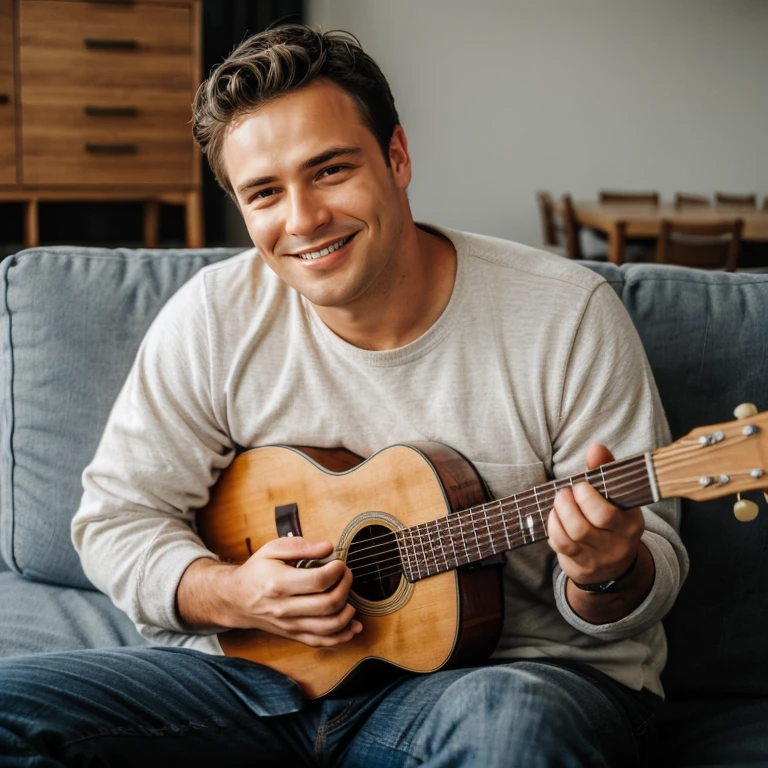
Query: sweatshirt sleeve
(162, 449)
(609, 397)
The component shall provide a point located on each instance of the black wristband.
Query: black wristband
(607, 586)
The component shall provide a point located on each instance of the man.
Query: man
(350, 325)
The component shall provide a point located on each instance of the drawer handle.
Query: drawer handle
(93, 111)
(111, 149)
(5, 98)
(111, 45)
(112, 2)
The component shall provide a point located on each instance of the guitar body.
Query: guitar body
(450, 619)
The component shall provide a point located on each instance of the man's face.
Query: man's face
(317, 197)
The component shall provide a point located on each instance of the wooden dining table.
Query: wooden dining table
(644, 220)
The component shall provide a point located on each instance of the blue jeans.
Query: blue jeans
(142, 707)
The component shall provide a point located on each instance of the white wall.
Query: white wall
(500, 98)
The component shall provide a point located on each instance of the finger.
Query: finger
(558, 538)
(324, 578)
(597, 455)
(573, 522)
(322, 626)
(329, 641)
(295, 548)
(302, 601)
(595, 509)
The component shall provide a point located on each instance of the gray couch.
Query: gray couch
(72, 318)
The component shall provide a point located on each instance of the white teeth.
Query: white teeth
(325, 251)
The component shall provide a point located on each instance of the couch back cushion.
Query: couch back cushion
(71, 321)
(706, 337)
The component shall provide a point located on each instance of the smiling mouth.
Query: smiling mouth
(325, 251)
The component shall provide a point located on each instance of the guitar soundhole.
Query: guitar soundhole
(374, 560)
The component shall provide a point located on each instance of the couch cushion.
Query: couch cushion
(71, 320)
(706, 336)
(713, 732)
(74, 619)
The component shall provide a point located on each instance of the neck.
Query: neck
(408, 299)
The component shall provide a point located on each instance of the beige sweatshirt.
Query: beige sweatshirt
(533, 359)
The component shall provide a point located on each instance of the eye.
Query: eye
(332, 170)
(262, 196)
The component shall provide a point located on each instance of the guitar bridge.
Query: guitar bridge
(287, 520)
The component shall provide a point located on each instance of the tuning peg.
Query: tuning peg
(745, 510)
(745, 411)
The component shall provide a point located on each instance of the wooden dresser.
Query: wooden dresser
(95, 105)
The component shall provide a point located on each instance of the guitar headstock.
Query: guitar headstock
(719, 460)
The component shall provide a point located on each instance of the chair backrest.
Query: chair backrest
(572, 229)
(645, 198)
(548, 220)
(706, 245)
(684, 199)
(738, 201)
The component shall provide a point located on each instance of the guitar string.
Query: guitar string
(494, 532)
(519, 501)
(518, 536)
(688, 447)
(454, 529)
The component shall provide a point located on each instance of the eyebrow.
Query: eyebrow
(312, 162)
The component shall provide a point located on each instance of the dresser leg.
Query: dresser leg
(151, 224)
(195, 234)
(31, 224)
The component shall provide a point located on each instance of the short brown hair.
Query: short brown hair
(282, 60)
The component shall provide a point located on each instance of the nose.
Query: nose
(307, 211)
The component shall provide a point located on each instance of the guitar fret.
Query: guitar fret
(453, 545)
(487, 525)
(506, 530)
(519, 517)
(464, 542)
(423, 551)
(435, 539)
(442, 549)
(474, 530)
(418, 567)
(530, 518)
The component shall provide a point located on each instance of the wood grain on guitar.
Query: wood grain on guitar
(413, 523)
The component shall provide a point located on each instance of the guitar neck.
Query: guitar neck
(476, 533)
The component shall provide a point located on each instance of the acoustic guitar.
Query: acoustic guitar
(424, 543)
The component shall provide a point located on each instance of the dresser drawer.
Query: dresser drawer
(7, 96)
(66, 45)
(66, 158)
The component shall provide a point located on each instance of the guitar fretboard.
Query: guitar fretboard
(476, 533)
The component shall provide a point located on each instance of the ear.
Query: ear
(399, 159)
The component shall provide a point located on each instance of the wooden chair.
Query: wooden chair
(572, 229)
(703, 245)
(646, 198)
(765, 203)
(736, 201)
(685, 200)
(549, 229)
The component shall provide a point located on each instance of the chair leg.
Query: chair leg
(31, 224)
(151, 223)
(195, 234)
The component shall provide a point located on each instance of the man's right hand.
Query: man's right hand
(268, 593)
